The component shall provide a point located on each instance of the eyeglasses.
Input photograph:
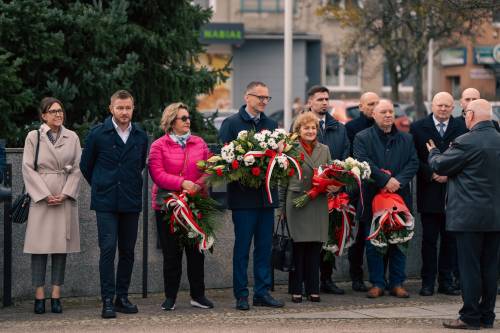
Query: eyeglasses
(54, 112)
(464, 112)
(262, 98)
(184, 118)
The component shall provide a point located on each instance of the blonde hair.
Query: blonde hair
(169, 115)
(303, 119)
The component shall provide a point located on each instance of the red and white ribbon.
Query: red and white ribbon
(183, 215)
(390, 221)
(341, 204)
(270, 167)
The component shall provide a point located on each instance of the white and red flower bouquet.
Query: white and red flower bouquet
(348, 173)
(253, 159)
(392, 222)
(341, 224)
(193, 216)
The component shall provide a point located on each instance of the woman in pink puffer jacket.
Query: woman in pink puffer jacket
(172, 166)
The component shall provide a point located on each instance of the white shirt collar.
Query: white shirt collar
(123, 134)
(436, 122)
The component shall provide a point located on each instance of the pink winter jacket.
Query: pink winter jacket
(167, 167)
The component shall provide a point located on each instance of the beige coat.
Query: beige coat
(52, 229)
(309, 223)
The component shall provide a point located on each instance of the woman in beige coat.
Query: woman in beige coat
(52, 226)
(308, 225)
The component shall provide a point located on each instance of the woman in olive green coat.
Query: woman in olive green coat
(308, 225)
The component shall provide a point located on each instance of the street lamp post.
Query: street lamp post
(288, 48)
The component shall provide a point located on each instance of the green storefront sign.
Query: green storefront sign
(222, 33)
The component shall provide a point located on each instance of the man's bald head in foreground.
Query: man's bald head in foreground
(477, 111)
(469, 95)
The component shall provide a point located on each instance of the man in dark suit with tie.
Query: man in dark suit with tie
(112, 163)
(442, 128)
(473, 212)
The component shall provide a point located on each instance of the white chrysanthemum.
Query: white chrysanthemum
(249, 160)
(259, 137)
(227, 152)
(356, 171)
(272, 144)
(266, 132)
(191, 234)
(280, 131)
(243, 135)
(263, 144)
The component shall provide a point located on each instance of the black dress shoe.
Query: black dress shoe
(426, 291)
(267, 300)
(123, 305)
(448, 290)
(55, 305)
(314, 298)
(169, 304)
(242, 304)
(329, 287)
(297, 298)
(108, 309)
(39, 306)
(359, 285)
(457, 324)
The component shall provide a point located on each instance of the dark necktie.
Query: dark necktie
(441, 129)
(322, 124)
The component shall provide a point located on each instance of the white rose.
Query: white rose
(242, 135)
(249, 160)
(356, 171)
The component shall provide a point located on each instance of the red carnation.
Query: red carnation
(301, 156)
(218, 172)
(255, 171)
(291, 172)
(235, 164)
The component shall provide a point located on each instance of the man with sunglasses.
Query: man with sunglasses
(252, 214)
(112, 163)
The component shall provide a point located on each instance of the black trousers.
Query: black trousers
(172, 262)
(478, 254)
(306, 258)
(325, 266)
(434, 227)
(356, 253)
(116, 229)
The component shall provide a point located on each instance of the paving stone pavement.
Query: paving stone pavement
(352, 312)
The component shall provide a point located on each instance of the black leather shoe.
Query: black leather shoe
(329, 287)
(448, 290)
(169, 304)
(55, 305)
(359, 285)
(108, 309)
(457, 324)
(242, 304)
(5, 193)
(426, 291)
(123, 305)
(39, 306)
(267, 300)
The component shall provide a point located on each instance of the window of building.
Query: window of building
(406, 85)
(343, 72)
(262, 6)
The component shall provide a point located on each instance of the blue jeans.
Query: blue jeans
(256, 224)
(114, 228)
(397, 265)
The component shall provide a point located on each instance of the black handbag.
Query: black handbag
(21, 206)
(282, 252)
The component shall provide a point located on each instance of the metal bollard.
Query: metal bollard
(7, 241)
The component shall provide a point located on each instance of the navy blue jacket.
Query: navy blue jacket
(394, 152)
(357, 125)
(335, 137)
(239, 196)
(114, 169)
(431, 194)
